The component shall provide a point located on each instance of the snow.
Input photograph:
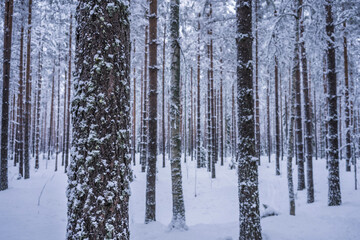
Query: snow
(36, 208)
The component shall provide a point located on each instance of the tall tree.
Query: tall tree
(38, 101)
(334, 197)
(150, 212)
(257, 102)
(9, 6)
(298, 118)
(247, 162)
(198, 119)
(163, 98)
(178, 218)
(98, 191)
(28, 96)
(347, 104)
(307, 111)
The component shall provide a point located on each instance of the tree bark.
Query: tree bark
(150, 212)
(9, 6)
(99, 171)
(247, 168)
(178, 218)
(334, 196)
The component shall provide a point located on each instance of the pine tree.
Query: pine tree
(9, 6)
(178, 218)
(247, 162)
(99, 171)
(307, 111)
(150, 212)
(333, 151)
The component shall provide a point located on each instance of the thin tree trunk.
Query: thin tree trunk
(144, 134)
(68, 99)
(28, 98)
(8, 19)
(307, 110)
(163, 98)
(333, 151)
(257, 101)
(277, 122)
(51, 117)
(150, 211)
(298, 118)
(178, 218)
(198, 128)
(38, 106)
(347, 105)
(133, 138)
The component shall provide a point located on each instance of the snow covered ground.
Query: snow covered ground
(36, 208)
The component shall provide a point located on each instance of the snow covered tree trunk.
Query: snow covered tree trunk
(67, 150)
(334, 197)
(277, 119)
(150, 212)
(163, 98)
(19, 152)
(347, 105)
(133, 137)
(268, 129)
(38, 106)
(28, 97)
(291, 149)
(199, 160)
(99, 171)
(144, 130)
(298, 118)
(247, 162)
(178, 218)
(257, 101)
(9, 5)
(51, 116)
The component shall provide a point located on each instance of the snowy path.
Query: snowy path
(211, 215)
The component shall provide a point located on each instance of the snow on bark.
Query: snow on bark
(98, 191)
(249, 219)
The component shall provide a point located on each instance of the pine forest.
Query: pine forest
(179, 119)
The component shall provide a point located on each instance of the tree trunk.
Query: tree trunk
(307, 110)
(163, 98)
(38, 106)
(199, 160)
(144, 133)
(178, 218)
(150, 211)
(347, 105)
(99, 171)
(50, 147)
(133, 137)
(257, 101)
(68, 99)
(9, 5)
(247, 169)
(28, 98)
(277, 120)
(334, 197)
(298, 126)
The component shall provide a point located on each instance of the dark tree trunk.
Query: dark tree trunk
(99, 171)
(67, 149)
(257, 101)
(150, 211)
(133, 137)
(333, 151)
(277, 119)
(199, 161)
(247, 169)
(307, 111)
(9, 5)
(163, 99)
(38, 102)
(144, 130)
(298, 118)
(347, 105)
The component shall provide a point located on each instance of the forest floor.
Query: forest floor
(35, 209)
